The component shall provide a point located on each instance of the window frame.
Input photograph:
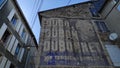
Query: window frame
(17, 49)
(14, 20)
(2, 4)
(6, 36)
(23, 35)
(94, 14)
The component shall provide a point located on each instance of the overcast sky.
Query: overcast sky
(30, 9)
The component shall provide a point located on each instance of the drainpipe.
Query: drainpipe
(28, 56)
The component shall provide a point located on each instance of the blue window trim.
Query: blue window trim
(2, 3)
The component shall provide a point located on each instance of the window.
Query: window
(118, 7)
(102, 26)
(23, 34)
(17, 49)
(99, 4)
(6, 36)
(12, 66)
(94, 12)
(14, 20)
(2, 2)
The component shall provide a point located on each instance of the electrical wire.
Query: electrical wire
(69, 2)
(34, 5)
(34, 10)
(38, 9)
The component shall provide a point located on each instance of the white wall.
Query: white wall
(2, 30)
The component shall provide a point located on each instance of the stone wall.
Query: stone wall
(70, 42)
(74, 11)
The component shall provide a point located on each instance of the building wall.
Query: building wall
(69, 42)
(112, 18)
(4, 12)
(13, 42)
(7, 12)
(107, 8)
(58, 34)
(75, 11)
(110, 15)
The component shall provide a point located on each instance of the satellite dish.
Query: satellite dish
(113, 36)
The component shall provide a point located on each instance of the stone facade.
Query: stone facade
(68, 39)
(75, 11)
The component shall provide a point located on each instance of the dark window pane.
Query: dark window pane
(12, 66)
(17, 50)
(23, 34)
(6, 36)
(99, 4)
(101, 26)
(94, 12)
(14, 20)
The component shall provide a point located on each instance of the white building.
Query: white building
(15, 37)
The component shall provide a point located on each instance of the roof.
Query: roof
(25, 21)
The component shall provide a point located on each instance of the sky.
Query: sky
(31, 8)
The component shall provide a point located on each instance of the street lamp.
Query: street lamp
(28, 47)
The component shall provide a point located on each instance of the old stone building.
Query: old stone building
(109, 12)
(69, 38)
(17, 42)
